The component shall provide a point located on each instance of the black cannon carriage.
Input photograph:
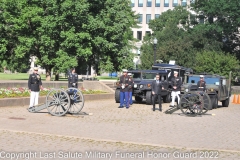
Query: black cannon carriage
(60, 102)
(192, 103)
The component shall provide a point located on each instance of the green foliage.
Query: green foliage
(62, 33)
(106, 66)
(176, 40)
(4, 64)
(180, 38)
(222, 21)
(216, 62)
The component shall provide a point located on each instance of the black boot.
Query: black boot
(160, 109)
(153, 108)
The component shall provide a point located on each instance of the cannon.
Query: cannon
(192, 103)
(59, 102)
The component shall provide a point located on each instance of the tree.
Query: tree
(222, 22)
(4, 65)
(62, 33)
(179, 38)
(111, 32)
(172, 29)
(106, 66)
(216, 62)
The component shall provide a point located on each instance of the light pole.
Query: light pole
(155, 46)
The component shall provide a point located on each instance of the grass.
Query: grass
(106, 78)
(25, 76)
(18, 76)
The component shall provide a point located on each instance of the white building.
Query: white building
(148, 10)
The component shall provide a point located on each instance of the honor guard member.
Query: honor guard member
(201, 84)
(130, 86)
(34, 85)
(156, 92)
(124, 89)
(73, 79)
(176, 83)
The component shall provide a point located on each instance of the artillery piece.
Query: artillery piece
(60, 102)
(192, 103)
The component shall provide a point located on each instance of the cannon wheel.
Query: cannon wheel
(57, 102)
(190, 104)
(77, 100)
(206, 103)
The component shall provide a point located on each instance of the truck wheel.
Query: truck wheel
(215, 102)
(117, 96)
(225, 103)
(167, 98)
(149, 97)
(138, 99)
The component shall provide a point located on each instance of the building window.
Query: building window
(140, 3)
(148, 33)
(148, 18)
(149, 3)
(139, 35)
(157, 3)
(157, 15)
(192, 1)
(132, 3)
(184, 2)
(140, 18)
(166, 3)
(175, 3)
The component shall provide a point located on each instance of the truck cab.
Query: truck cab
(217, 87)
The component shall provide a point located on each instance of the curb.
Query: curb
(24, 101)
(127, 142)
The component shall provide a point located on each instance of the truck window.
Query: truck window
(136, 75)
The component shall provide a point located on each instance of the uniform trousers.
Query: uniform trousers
(130, 98)
(33, 98)
(154, 98)
(124, 96)
(175, 94)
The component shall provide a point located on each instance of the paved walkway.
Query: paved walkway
(136, 133)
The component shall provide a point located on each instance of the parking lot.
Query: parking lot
(113, 133)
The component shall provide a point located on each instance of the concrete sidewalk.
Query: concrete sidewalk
(110, 129)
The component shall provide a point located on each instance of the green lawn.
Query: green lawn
(107, 78)
(25, 76)
(18, 76)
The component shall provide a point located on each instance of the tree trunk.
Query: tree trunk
(48, 73)
(57, 76)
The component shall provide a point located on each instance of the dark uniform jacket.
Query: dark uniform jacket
(201, 85)
(157, 87)
(130, 84)
(176, 81)
(124, 82)
(73, 80)
(34, 82)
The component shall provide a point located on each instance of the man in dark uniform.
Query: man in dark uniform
(73, 79)
(176, 83)
(124, 89)
(156, 92)
(201, 84)
(34, 85)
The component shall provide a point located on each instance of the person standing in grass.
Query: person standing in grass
(34, 85)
